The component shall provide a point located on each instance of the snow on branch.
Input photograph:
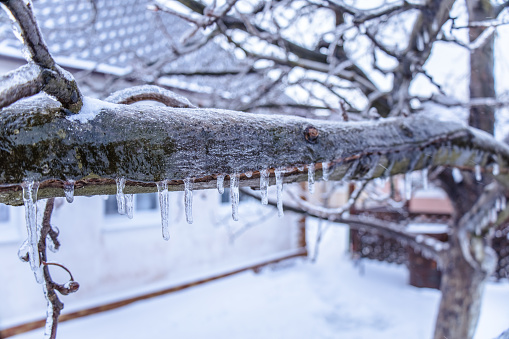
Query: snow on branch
(148, 144)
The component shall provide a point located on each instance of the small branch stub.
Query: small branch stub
(311, 134)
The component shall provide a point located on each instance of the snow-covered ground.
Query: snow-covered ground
(298, 299)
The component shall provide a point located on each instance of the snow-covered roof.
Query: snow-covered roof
(121, 37)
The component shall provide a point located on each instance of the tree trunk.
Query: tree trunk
(462, 287)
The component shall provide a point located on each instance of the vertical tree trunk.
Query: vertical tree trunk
(482, 81)
(462, 288)
(462, 285)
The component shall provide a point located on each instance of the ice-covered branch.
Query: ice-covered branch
(53, 80)
(20, 83)
(148, 144)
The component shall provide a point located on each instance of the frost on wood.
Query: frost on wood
(147, 144)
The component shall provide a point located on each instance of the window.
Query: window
(142, 202)
(225, 197)
(10, 219)
(146, 213)
(4, 213)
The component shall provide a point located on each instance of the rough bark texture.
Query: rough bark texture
(148, 144)
(462, 284)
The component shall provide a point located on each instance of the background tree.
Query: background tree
(94, 146)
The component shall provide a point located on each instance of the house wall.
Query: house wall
(113, 257)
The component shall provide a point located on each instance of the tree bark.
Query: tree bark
(462, 283)
(149, 144)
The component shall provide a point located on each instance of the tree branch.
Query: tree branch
(146, 144)
(53, 80)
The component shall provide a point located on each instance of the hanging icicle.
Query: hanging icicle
(311, 178)
(264, 185)
(30, 189)
(279, 187)
(129, 205)
(162, 190)
(120, 195)
(408, 186)
(188, 199)
(325, 170)
(496, 169)
(69, 191)
(234, 195)
(220, 183)
(425, 182)
(477, 170)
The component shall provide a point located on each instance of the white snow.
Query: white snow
(90, 109)
(295, 299)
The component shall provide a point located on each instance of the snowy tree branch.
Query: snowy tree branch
(149, 144)
(53, 80)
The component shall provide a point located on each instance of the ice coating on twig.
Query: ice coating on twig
(264, 185)
(220, 183)
(351, 170)
(120, 195)
(69, 191)
(234, 195)
(279, 188)
(129, 205)
(30, 189)
(188, 199)
(164, 205)
(248, 174)
(325, 170)
(311, 178)
(301, 168)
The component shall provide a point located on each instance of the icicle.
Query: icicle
(30, 189)
(408, 186)
(279, 187)
(162, 189)
(493, 215)
(477, 170)
(69, 191)
(496, 169)
(457, 176)
(129, 205)
(220, 183)
(248, 174)
(188, 199)
(264, 185)
(325, 170)
(120, 195)
(234, 195)
(311, 178)
(425, 182)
